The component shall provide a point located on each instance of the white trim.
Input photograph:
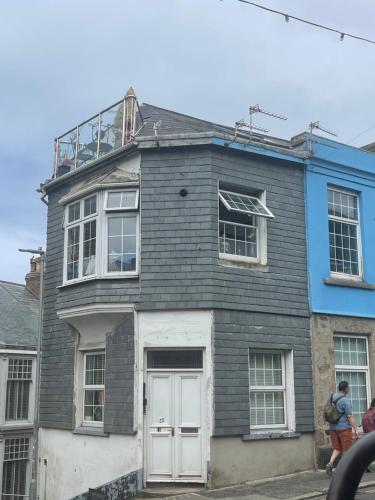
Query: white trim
(97, 187)
(78, 311)
(14, 351)
(116, 209)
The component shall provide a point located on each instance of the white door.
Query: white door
(174, 427)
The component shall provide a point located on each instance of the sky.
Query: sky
(61, 62)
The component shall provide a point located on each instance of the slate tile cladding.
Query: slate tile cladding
(58, 346)
(236, 332)
(119, 379)
(179, 235)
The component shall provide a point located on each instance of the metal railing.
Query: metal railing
(351, 468)
(103, 133)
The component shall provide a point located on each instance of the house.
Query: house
(340, 194)
(19, 311)
(176, 342)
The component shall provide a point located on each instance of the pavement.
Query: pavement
(301, 486)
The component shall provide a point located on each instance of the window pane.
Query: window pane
(94, 405)
(265, 369)
(95, 367)
(16, 455)
(175, 359)
(343, 248)
(237, 239)
(89, 248)
(74, 212)
(122, 243)
(90, 206)
(73, 252)
(244, 203)
(350, 351)
(267, 408)
(17, 400)
(122, 199)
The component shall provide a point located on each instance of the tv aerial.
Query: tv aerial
(250, 124)
(317, 126)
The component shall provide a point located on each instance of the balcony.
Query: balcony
(99, 136)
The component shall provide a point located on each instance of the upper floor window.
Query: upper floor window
(20, 374)
(242, 227)
(101, 235)
(344, 233)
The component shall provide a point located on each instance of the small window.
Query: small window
(89, 206)
(175, 359)
(122, 200)
(271, 401)
(74, 212)
(351, 360)
(18, 389)
(242, 227)
(15, 468)
(93, 388)
(344, 233)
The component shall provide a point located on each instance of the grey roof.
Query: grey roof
(19, 312)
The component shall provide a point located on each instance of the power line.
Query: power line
(287, 17)
(361, 133)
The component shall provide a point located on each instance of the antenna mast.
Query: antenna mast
(317, 126)
(257, 109)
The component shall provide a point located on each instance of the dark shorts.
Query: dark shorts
(341, 440)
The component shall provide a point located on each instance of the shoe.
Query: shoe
(329, 470)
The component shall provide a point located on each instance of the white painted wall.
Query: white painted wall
(76, 463)
(181, 329)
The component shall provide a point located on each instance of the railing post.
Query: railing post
(351, 468)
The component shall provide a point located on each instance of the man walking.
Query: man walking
(341, 431)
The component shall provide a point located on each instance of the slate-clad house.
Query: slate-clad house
(176, 341)
(340, 194)
(19, 310)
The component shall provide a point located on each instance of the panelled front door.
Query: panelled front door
(174, 426)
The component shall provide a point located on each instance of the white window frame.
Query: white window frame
(288, 390)
(80, 223)
(28, 467)
(101, 217)
(3, 389)
(356, 223)
(357, 368)
(261, 231)
(84, 387)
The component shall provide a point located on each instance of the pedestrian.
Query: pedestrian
(341, 430)
(368, 422)
(368, 418)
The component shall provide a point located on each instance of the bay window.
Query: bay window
(101, 235)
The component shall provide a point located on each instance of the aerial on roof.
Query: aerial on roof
(19, 312)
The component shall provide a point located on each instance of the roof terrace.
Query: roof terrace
(102, 134)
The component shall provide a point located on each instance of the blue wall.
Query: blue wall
(340, 165)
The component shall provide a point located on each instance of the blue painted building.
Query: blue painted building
(340, 226)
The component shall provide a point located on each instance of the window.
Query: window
(351, 360)
(271, 401)
(344, 233)
(15, 468)
(81, 239)
(102, 236)
(93, 388)
(20, 371)
(242, 220)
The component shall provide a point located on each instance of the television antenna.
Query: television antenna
(317, 126)
(257, 109)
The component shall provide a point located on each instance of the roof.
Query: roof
(19, 312)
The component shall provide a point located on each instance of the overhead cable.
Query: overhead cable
(287, 18)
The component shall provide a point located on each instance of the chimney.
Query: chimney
(32, 278)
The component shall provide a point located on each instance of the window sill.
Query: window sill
(271, 435)
(10, 426)
(347, 282)
(227, 261)
(99, 278)
(90, 431)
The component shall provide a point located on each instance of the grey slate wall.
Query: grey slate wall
(237, 332)
(179, 260)
(57, 374)
(119, 378)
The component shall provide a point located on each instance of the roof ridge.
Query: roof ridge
(12, 283)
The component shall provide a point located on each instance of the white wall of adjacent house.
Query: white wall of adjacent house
(72, 463)
(180, 330)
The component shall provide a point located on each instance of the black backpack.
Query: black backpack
(330, 412)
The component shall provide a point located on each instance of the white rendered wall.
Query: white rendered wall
(76, 463)
(181, 329)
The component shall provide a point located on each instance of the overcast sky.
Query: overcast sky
(61, 62)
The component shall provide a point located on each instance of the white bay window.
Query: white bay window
(102, 236)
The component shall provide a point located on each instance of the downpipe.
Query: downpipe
(353, 464)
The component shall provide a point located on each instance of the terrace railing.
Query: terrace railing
(100, 135)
